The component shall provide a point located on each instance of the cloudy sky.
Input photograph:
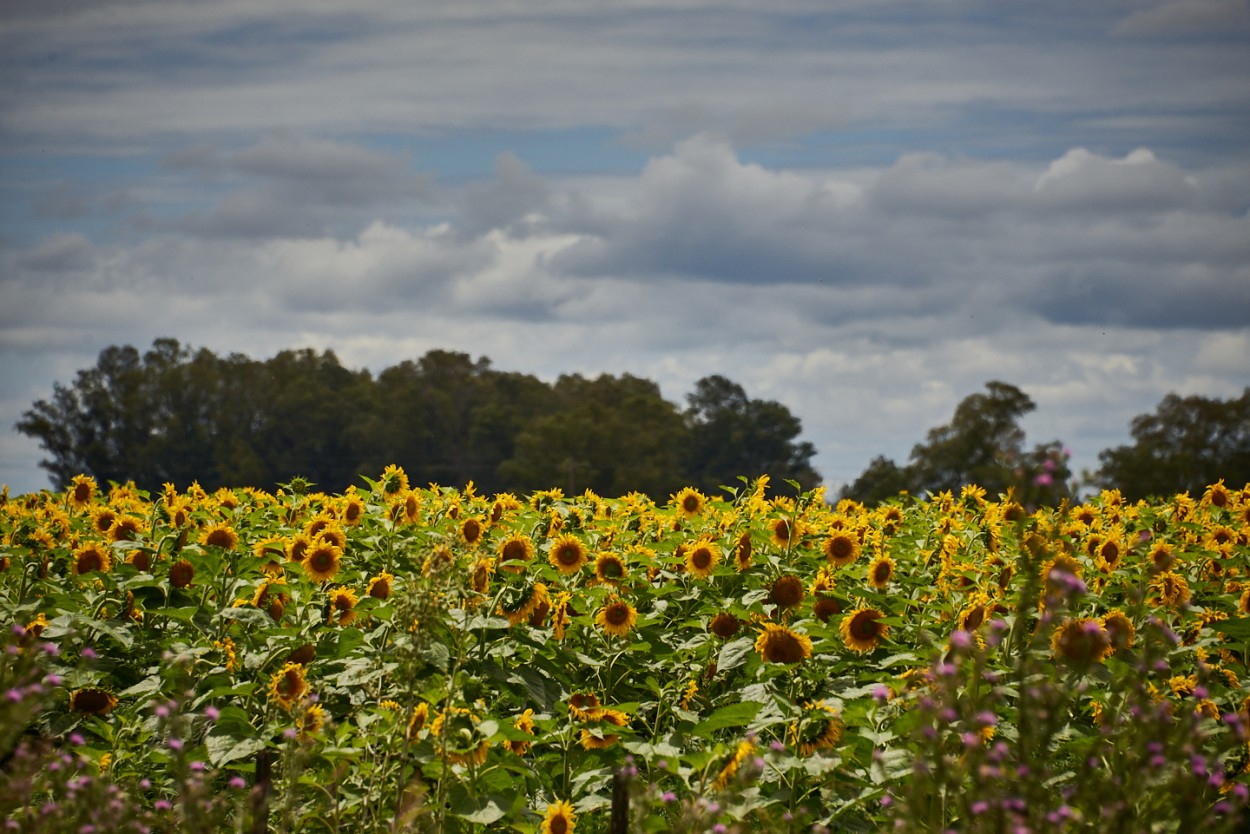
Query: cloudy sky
(865, 209)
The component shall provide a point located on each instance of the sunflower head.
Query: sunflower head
(393, 481)
(82, 491)
(724, 625)
(1082, 641)
(689, 502)
(862, 629)
(787, 591)
(778, 644)
(220, 535)
(92, 557)
(471, 531)
(568, 554)
(880, 572)
(380, 586)
(841, 549)
(181, 573)
(342, 606)
(559, 818)
(322, 559)
(288, 686)
(514, 552)
(92, 701)
(610, 568)
(617, 618)
(819, 728)
(701, 558)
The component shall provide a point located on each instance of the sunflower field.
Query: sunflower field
(429, 659)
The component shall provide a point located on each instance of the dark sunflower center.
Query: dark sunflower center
(617, 614)
(701, 558)
(864, 626)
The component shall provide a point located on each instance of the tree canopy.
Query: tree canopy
(983, 444)
(173, 414)
(1188, 444)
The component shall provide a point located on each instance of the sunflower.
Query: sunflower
(584, 706)
(560, 619)
(701, 558)
(102, 519)
(597, 739)
(862, 629)
(514, 552)
(787, 591)
(297, 547)
(742, 552)
(1109, 553)
(825, 607)
(880, 572)
(784, 531)
(559, 819)
(972, 617)
(92, 701)
(125, 528)
(36, 626)
(567, 555)
(288, 686)
(220, 535)
(324, 524)
(689, 502)
(380, 586)
(353, 509)
(416, 721)
(342, 605)
(610, 569)
(1216, 495)
(1170, 589)
(616, 618)
(82, 491)
(479, 577)
(525, 723)
(393, 481)
(778, 644)
(411, 507)
(1120, 630)
(181, 573)
(230, 658)
(1082, 641)
(729, 770)
(322, 560)
(819, 729)
(92, 557)
(724, 625)
(302, 655)
(841, 549)
(521, 603)
(471, 531)
(458, 737)
(311, 722)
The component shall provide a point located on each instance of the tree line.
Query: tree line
(173, 414)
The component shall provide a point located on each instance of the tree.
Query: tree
(731, 435)
(983, 444)
(1188, 444)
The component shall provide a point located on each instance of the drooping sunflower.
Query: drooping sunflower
(787, 591)
(220, 535)
(92, 701)
(743, 751)
(312, 721)
(973, 616)
(381, 586)
(862, 629)
(1169, 589)
(568, 554)
(1082, 641)
(742, 552)
(826, 607)
(689, 502)
(724, 625)
(880, 572)
(584, 706)
(322, 559)
(702, 557)
(610, 569)
(559, 818)
(82, 491)
(778, 644)
(181, 573)
(411, 507)
(514, 552)
(841, 549)
(288, 686)
(525, 723)
(617, 618)
(416, 721)
(92, 557)
(1120, 630)
(457, 736)
(342, 606)
(597, 738)
(820, 728)
(520, 602)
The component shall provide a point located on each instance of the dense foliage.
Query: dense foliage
(391, 658)
(176, 415)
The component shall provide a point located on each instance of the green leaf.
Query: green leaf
(734, 654)
(733, 715)
(224, 748)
